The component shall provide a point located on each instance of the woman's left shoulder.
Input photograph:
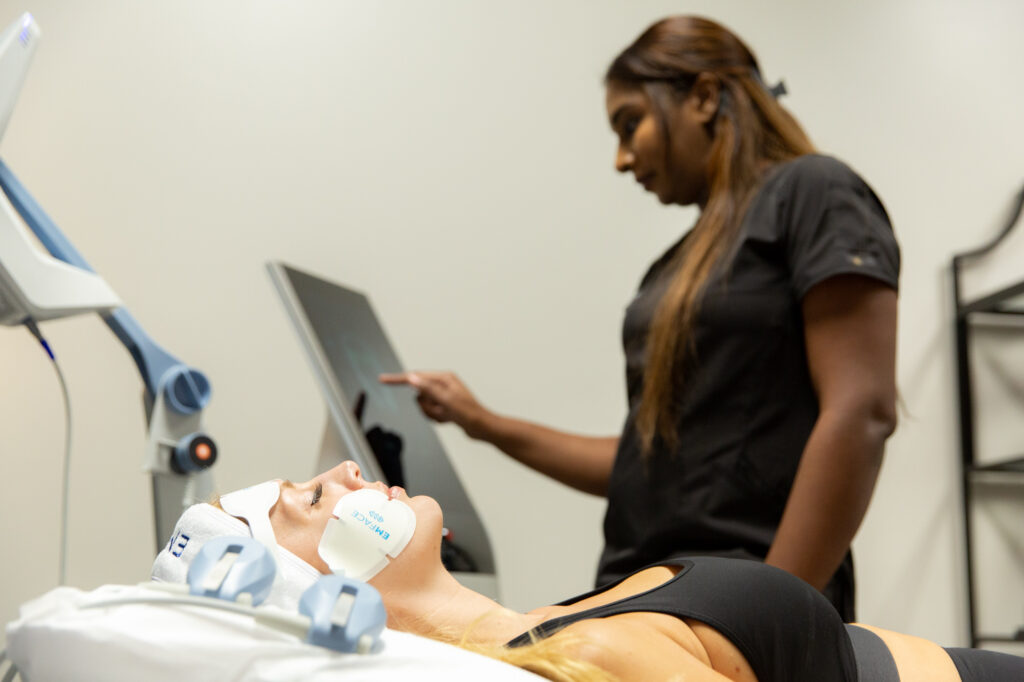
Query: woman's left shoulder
(816, 183)
(817, 170)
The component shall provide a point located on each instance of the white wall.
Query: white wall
(451, 158)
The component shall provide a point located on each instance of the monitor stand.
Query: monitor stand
(333, 452)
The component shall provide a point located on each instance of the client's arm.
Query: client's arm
(582, 462)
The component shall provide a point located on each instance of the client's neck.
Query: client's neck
(438, 606)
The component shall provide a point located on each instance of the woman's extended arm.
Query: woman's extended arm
(850, 332)
(583, 462)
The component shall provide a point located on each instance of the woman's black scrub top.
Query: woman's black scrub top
(747, 404)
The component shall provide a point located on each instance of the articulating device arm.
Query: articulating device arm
(35, 287)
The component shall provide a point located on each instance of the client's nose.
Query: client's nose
(353, 469)
(349, 475)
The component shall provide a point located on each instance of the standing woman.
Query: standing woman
(760, 348)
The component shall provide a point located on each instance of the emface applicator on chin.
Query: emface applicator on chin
(367, 532)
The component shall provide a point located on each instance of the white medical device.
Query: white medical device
(367, 530)
(339, 611)
(334, 612)
(236, 574)
(36, 286)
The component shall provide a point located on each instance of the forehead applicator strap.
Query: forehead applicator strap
(254, 504)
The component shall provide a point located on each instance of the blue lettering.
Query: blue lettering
(373, 527)
(171, 543)
(177, 544)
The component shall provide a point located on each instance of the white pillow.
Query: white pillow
(55, 639)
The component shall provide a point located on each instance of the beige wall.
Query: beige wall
(451, 158)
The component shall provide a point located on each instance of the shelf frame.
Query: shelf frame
(1000, 303)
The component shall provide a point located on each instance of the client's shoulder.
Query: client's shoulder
(639, 646)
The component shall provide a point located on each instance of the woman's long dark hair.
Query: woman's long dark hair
(750, 132)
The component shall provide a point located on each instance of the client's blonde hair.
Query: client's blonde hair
(553, 658)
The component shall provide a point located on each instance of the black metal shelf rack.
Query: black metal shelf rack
(1005, 306)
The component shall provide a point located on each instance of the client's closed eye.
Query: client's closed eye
(317, 494)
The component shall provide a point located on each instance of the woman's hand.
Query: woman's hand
(444, 398)
(583, 462)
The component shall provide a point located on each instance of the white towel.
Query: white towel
(202, 522)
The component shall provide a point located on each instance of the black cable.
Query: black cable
(34, 329)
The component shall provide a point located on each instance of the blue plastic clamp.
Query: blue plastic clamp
(347, 615)
(226, 567)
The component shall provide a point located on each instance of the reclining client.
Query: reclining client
(702, 618)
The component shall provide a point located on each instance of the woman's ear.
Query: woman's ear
(706, 96)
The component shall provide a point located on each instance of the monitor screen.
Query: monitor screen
(381, 427)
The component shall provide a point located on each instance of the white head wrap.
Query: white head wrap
(202, 522)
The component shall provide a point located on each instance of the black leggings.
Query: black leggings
(978, 665)
(875, 662)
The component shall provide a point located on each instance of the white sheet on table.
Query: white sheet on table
(53, 639)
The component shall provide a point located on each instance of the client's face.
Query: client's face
(301, 513)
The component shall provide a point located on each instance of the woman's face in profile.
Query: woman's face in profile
(302, 511)
(672, 166)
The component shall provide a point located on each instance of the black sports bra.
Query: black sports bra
(785, 628)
